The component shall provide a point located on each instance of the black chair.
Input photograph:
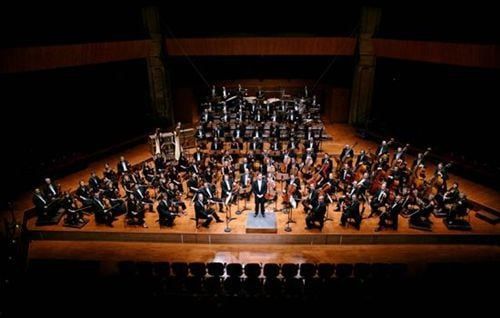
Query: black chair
(292, 284)
(289, 270)
(362, 271)
(194, 283)
(161, 269)
(145, 269)
(307, 270)
(180, 269)
(343, 270)
(127, 268)
(326, 270)
(252, 285)
(232, 284)
(198, 269)
(213, 282)
(272, 285)
(252, 270)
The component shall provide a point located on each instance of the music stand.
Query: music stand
(239, 211)
(293, 205)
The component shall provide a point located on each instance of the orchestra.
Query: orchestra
(250, 146)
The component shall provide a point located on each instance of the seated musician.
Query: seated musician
(74, 215)
(83, 194)
(244, 165)
(347, 153)
(135, 211)
(292, 144)
(276, 145)
(236, 145)
(226, 157)
(142, 195)
(110, 174)
(43, 209)
(201, 212)
(316, 213)
(345, 174)
(208, 192)
(193, 184)
(458, 208)
(327, 162)
(256, 144)
(160, 164)
(378, 200)
(391, 213)
(349, 191)
(362, 158)
(182, 163)
(216, 145)
(149, 173)
(113, 195)
(226, 186)
(51, 191)
(166, 213)
(198, 156)
(399, 154)
(443, 169)
(102, 211)
(246, 183)
(382, 149)
(174, 198)
(239, 132)
(452, 195)
(94, 182)
(351, 211)
(311, 199)
(423, 211)
(123, 166)
(363, 185)
(309, 155)
(208, 175)
(310, 144)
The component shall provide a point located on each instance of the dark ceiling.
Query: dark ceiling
(84, 22)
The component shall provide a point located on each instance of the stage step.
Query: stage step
(492, 218)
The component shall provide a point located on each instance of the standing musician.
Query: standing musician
(259, 189)
(316, 214)
(204, 213)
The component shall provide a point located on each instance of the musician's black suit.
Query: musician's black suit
(259, 193)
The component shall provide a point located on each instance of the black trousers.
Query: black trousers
(259, 205)
(311, 221)
(386, 216)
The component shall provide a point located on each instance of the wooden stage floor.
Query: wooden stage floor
(184, 230)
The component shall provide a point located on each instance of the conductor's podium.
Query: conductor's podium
(260, 224)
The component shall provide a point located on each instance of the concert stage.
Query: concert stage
(185, 230)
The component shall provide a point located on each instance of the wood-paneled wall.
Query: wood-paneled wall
(49, 57)
(463, 54)
(261, 46)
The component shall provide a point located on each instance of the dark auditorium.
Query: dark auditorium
(249, 158)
